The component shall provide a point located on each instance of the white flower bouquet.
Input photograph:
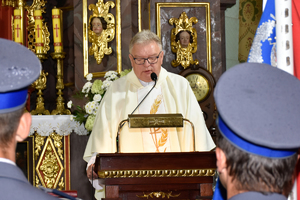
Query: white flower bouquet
(94, 93)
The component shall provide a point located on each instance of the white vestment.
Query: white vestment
(121, 99)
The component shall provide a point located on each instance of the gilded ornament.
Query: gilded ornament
(46, 38)
(39, 141)
(49, 167)
(37, 181)
(158, 195)
(36, 4)
(156, 173)
(58, 143)
(61, 184)
(11, 3)
(101, 29)
(183, 32)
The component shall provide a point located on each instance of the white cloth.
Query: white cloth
(63, 125)
(121, 99)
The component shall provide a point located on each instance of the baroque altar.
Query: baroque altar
(47, 151)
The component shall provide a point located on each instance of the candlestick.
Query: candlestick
(39, 44)
(60, 105)
(57, 31)
(18, 31)
(40, 84)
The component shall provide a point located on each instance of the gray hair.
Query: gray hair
(145, 37)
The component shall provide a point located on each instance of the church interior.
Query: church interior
(60, 33)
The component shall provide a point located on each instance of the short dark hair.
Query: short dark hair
(178, 36)
(9, 123)
(103, 22)
(257, 173)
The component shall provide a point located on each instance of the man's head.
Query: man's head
(250, 172)
(19, 68)
(146, 55)
(258, 120)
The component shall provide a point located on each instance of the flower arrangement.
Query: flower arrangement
(93, 92)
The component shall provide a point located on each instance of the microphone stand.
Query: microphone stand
(144, 98)
(154, 78)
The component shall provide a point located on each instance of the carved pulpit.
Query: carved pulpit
(180, 175)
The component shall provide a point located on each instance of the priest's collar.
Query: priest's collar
(133, 79)
(146, 83)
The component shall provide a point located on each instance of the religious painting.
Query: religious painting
(24, 158)
(101, 37)
(158, 22)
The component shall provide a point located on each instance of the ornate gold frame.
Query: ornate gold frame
(85, 39)
(158, 6)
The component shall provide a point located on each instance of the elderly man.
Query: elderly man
(172, 94)
(19, 68)
(259, 117)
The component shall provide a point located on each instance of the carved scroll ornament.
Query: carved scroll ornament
(184, 31)
(99, 37)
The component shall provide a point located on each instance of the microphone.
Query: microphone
(154, 78)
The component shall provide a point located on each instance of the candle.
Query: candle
(57, 32)
(38, 31)
(18, 32)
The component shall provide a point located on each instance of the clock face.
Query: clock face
(199, 85)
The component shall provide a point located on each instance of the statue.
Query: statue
(184, 41)
(101, 29)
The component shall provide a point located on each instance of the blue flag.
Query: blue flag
(263, 49)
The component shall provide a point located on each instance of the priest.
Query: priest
(171, 94)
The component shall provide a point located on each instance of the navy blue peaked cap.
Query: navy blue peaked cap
(259, 109)
(20, 67)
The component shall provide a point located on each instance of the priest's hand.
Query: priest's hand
(91, 174)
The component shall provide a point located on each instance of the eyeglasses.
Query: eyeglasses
(141, 61)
